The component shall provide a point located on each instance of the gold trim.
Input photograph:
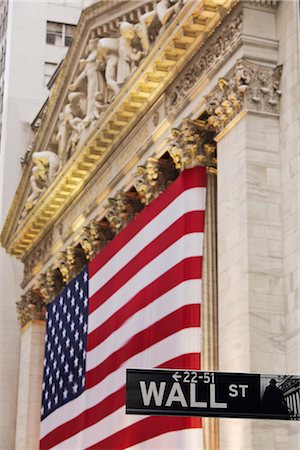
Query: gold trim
(160, 67)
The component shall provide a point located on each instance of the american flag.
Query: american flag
(137, 304)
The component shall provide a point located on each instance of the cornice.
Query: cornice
(186, 33)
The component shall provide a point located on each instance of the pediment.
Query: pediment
(123, 56)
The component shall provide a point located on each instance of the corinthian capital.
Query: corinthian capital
(153, 178)
(122, 209)
(71, 262)
(192, 145)
(30, 307)
(249, 87)
(94, 237)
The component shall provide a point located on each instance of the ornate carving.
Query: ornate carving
(30, 307)
(50, 284)
(206, 59)
(95, 237)
(249, 87)
(39, 254)
(71, 261)
(153, 178)
(192, 145)
(122, 209)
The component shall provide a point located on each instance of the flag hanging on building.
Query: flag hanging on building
(137, 304)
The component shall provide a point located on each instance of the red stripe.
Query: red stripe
(184, 317)
(188, 269)
(146, 429)
(189, 178)
(191, 222)
(108, 405)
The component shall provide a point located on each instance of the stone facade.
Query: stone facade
(219, 89)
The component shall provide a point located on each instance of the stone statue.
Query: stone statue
(108, 52)
(92, 71)
(162, 13)
(128, 55)
(48, 163)
(69, 127)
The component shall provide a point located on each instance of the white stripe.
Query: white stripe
(112, 424)
(191, 439)
(101, 430)
(188, 246)
(185, 341)
(187, 293)
(184, 203)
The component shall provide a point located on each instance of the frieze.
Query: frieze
(206, 60)
(248, 87)
(195, 23)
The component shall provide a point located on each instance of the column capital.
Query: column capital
(248, 87)
(94, 237)
(122, 208)
(192, 145)
(31, 307)
(153, 178)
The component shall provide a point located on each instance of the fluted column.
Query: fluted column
(191, 145)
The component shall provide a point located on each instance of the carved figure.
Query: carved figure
(48, 163)
(162, 12)
(69, 127)
(108, 52)
(128, 55)
(92, 68)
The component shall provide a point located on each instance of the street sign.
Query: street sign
(212, 394)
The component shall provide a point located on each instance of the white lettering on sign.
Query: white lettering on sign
(234, 390)
(193, 398)
(157, 394)
(213, 403)
(176, 395)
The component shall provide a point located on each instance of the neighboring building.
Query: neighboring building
(182, 83)
(29, 55)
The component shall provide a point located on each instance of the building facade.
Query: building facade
(146, 90)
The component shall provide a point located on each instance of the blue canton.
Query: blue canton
(65, 353)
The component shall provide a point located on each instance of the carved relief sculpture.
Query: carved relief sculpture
(91, 72)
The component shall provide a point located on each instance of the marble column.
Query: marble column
(244, 110)
(31, 316)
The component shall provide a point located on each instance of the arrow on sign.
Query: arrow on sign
(176, 376)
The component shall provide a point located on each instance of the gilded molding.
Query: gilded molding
(249, 87)
(206, 60)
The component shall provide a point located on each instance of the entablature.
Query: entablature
(59, 169)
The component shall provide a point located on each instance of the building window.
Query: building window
(59, 34)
